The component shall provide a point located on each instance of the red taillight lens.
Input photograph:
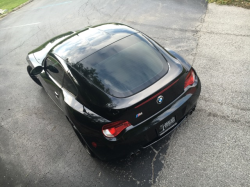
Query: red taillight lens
(113, 129)
(190, 78)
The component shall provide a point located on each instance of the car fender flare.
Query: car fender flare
(175, 55)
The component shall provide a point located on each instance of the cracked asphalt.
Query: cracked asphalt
(38, 147)
(213, 147)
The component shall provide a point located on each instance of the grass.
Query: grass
(11, 4)
(239, 3)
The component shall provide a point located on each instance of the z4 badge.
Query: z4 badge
(138, 115)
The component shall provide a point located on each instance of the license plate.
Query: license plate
(166, 126)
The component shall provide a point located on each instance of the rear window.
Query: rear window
(125, 67)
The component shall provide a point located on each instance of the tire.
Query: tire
(85, 145)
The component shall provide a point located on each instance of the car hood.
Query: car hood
(41, 51)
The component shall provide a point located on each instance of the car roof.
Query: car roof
(90, 40)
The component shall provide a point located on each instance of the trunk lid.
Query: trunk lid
(145, 104)
(154, 103)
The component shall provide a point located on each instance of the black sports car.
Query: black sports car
(120, 90)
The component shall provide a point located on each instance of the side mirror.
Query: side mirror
(52, 69)
(37, 70)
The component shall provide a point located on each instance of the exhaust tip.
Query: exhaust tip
(191, 111)
(132, 155)
(138, 152)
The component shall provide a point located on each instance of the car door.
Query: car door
(52, 78)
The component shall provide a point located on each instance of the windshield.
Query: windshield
(125, 67)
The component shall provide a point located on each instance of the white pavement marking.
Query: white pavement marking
(21, 25)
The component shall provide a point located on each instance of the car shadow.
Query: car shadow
(139, 170)
(70, 155)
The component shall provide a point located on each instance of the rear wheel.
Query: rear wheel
(85, 145)
(88, 150)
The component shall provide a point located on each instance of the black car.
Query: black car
(120, 90)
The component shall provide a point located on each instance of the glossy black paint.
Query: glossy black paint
(115, 69)
(87, 41)
(91, 108)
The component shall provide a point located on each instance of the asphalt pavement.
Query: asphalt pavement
(213, 147)
(38, 147)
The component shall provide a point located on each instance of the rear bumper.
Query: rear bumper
(145, 134)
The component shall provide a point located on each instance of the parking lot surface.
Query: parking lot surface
(38, 147)
(212, 148)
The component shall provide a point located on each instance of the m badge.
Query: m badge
(138, 115)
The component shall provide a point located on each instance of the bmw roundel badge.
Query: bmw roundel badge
(159, 99)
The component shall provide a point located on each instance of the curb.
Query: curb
(20, 6)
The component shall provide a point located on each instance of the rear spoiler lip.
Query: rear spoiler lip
(159, 93)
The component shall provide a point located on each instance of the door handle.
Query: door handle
(57, 95)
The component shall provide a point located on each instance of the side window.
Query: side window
(69, 85)
(54, 69)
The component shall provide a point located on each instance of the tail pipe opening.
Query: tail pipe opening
(135, 153)
(192, 110)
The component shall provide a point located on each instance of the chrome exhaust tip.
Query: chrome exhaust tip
(191, 111)
(138, 152)
(132, 155)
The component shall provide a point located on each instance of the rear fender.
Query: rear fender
(175, 55)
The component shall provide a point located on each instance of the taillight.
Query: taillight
(113, 129)
(190, 78)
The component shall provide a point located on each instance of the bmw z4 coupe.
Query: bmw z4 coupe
(119, 89)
